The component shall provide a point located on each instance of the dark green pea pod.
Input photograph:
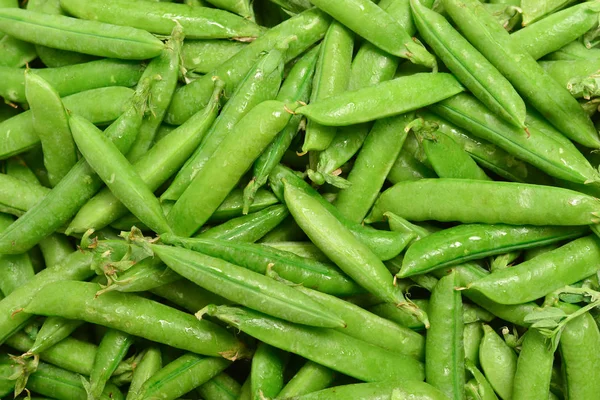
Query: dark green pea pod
(187, 295)
(53, 331)
(470, 67)
(544, 274)
(580, 77)
(534, 368)
(266, 373)
(221, 387)
(293, 6)
(203, 56)
(498, 361)
(327, 347)
(247, 287)
(259, 258)
(386, 390)
(248, 228)
(507, 15)
(464, 243)
(534, 11)
(311, 377)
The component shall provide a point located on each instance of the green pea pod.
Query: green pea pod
(233, 204)
(307, 27)
(247, 287)
(408, 168)
(507, 15)
(534, 11)
(327, 347)
(258, 258)
(542, 275)
(386, 390)
(18, 268)
(287, 231)
(575, 50)
(53, 331)
(504, 261)
(221, 387)
(239, 150)
(149, 364)
(498, 361)
(482, 388)
(114, 169)
(203, 56)
(294, 6)
(16, 53)
(98, 105)
(77, 300)
(557, 30)
(331, 78)
(240, 7)
(534, 368)
(504, 203)
(89, 37)
(260, 84)
(530, 80)
(266, 373)
(578, 76)
(472, 334)
(399, 95)
(471, 242)
(248, 228)
(311, 377)
(154, 168)
(187, 295)
(400, 316)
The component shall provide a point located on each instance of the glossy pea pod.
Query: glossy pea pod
(477, 241)
(478, 387)
(161, 17)
(17, 268)
(498, 361)
(258, 258)
(89, 37)
(53, 330)
(296, 87)
(331, 77)
(311, 377)
(575, 50)
(307, 27)
(154, 167)
(327, 347)
(580, 77)
(266, 373)
(399, 96)
(534, 11)
(246, 287)
(203, 56)
(544, 274)
(504, 203)
(530, 80)
(241, 7)
(136, 317)
(472, 334)
(408, 168)
(118, 174)
(187, 295)
(221, 387)
(149, 364)
(534, 368)
(260, 84)
(238, 151)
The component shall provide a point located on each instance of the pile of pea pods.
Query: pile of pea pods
(300, 199)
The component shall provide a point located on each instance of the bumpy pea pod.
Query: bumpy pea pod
(247, 287)
(331, 77)
(89, 37)
(327, 347)
(296, 87)
(258, 258)
(17, 269)
(534, 368)
(580, 77)
(445, 353)
(77, 300)
(470, 67)
(266, 373)
(149, 364)
(530, 80)
(544, 274)
(162, 17)
(477, 241)
(53, 331)
(498, 361)
(534, 11)
(311, 377)
(221, 387)
(504, 203)
(307, 27)
(558, 29)
(386, 390)
(239, 150)
(203, 56)
(260, 84)
(154, 167)
(113, 168)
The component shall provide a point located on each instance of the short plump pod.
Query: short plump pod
(475, 241)
(246, 287)
(486, 202)
(150, 362)
(385, 99)
(267, 371)
(112, 349)
(259, 257)
(311, 377)
(161, 18)
(545, 273)
(134, 315)
(307, 27)
(534, 367)
(469, 66)
(327, 347)
(386, 390)
(89, 37)
(498, 361)
(578, 346)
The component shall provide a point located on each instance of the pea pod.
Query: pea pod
(310, 378)
(578, 76)
(149, 364)
(187, 295)
(15, 53)
(203, 56)
(240, 7)
(498, 361)
(472, 334)
(534, 11)
(408, 168)
(266, 373)
(327, 347)
(479, 385)
(534, 368)
(53, 331)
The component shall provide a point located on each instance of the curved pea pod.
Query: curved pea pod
(266, 373)
(311, 377)
(53, 331)
(221, 387)
(112, 349)
(247, 287)
(150, 363)
(534, 368)
(203, 56)
(327, 347)
(187, 295)
(259, 258)
(478, 387)
(385, 99)
(545, 273)
(534, 11)
(579, 362)
(471, 242)
(240, 7)
(472, 334)
(386, 390)
(504, 203)
(100, 106)
(469, 66)
(408, 168)
(160, 17)
(557, 30)
(580, 77)
(77, 300)
(498, 362)
(15, 53)
(89, 37)
(18, 196)
(575, 50)
(307, 27)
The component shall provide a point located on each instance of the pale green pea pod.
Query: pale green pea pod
(18, 196)
(507, 15)
(240, 7)
(266, 373)
(478, 387)
(580, 77)
(203, 56)
(575, 50)
(534, 10)
(498, 361)
(386, 390)
(15, 53)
